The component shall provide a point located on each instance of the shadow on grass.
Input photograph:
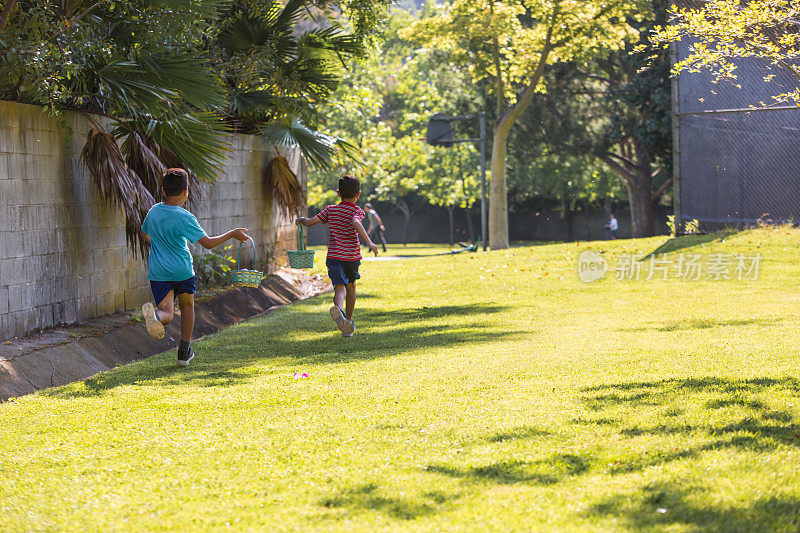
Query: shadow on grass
(519, 433)
(380, 317)
(229, 364)
(687, 241)
(657, 506)
(703, 323)
(753, 425)
(368, 498)
(540, 472)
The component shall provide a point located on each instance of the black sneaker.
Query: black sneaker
(185, 357)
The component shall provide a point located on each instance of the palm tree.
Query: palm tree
(165, 81)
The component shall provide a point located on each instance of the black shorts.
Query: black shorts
(161, 288)
(342, 272)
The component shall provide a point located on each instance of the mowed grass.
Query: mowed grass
(484, 391)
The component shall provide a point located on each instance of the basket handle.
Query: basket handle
(239, 256)
(301, 241)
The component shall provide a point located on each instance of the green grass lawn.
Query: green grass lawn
(480, 391)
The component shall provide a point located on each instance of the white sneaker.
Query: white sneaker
(154, 327)
(344, 325)
(351, 333)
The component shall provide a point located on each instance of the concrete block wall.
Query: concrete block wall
(63, 253)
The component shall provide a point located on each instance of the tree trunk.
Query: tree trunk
(498, 196)
(407, 214)
(450, 210)
(641, 207)
(632, 166)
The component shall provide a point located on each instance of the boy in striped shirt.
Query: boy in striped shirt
(344, 250)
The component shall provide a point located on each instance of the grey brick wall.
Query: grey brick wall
(63, 253)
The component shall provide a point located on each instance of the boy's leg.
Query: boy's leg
(155, 319)
(337, 311)
(166, 308)
(339, 292)
(186, 303)
(351, 300)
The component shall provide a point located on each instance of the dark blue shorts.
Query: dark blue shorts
(342, 272)
(161, 288)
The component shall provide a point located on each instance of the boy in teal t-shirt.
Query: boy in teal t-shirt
(170, 228)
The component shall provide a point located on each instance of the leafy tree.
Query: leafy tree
(724, 31)
(450, 178)
(510, 44)
(165, 73)
(383, 108)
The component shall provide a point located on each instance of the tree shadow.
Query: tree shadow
(754, 425)
(375, 316)
(228, 364)
(687, 241)
(659, 505)
(547, 471)
(702, 323)
(525, 432)
(368, 498)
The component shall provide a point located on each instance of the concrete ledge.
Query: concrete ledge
(64, 355)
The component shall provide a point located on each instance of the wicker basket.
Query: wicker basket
(301, 258)
(243, 277)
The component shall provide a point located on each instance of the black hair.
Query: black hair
(349, 186)
(174, 181)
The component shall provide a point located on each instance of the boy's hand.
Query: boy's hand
(300, 220)
(373, 247)
(383, 228)
(240, 234)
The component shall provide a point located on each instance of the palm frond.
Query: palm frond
(319, 149)
(197, 140)
(333, 39)
(118, 184)
(292, 13)
(141, 156)
(186, 75)
(245, 102)
(282, 185)
(124, 85)
(207, 8)
(245, 33)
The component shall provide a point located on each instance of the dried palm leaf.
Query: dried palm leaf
(141, 155)
(282, 185)
(118, 184)
(196, 186)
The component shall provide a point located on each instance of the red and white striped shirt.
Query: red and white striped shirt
(343, 243)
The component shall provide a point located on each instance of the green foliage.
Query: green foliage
(213, 267)
(177, 75)
(724, 31)
(384, 106)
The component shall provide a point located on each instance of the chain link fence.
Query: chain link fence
(735, 165)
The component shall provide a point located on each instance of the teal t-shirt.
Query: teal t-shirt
(171, 229)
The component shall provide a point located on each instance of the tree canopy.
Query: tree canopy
(722, 32)
(173, 77)
(510, 44)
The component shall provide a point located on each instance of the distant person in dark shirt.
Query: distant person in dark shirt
(375, 225)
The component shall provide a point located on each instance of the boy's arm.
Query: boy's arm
(145, 236)
(363, 233)
(308, 221)
(380, 222)
(239, 234)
